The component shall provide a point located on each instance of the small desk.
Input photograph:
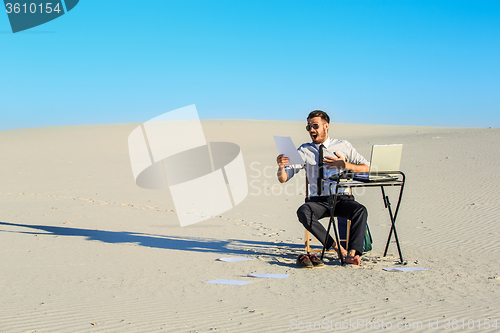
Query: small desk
(332, 200)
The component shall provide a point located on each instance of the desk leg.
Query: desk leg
(393, 226)
(337, 239)
(331, 204)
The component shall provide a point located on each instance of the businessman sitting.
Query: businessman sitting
(323, 158)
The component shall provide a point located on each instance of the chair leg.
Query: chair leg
(347, 234)
(308, 239)
(307, 242)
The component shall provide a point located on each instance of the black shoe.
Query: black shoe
(303, 261)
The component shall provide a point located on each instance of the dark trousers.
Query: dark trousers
(316, 208)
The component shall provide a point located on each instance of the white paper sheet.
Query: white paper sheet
(233, 259)
(404, 269)
(285, 146)
(231, 282)
(269, 276)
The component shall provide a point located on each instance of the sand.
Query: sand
(83, 249)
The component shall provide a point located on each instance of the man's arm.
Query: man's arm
(282, 162)
(341, 164)
(357, 167)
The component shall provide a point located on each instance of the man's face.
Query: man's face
(318, 129)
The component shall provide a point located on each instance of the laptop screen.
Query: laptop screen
(385, 157)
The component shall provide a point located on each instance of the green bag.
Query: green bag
(367, 246)
(342, 224)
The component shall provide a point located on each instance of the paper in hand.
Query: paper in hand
(286, 147)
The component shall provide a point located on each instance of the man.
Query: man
(337, 155)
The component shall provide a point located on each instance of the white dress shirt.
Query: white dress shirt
(310, 155)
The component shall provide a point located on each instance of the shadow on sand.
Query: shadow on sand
(233, 246)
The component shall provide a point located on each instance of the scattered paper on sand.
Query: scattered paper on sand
(233, 259)
(404, 269)
(269, 276)
(231, 282)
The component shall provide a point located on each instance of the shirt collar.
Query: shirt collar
(326, 143)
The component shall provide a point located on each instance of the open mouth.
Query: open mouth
(314, 136)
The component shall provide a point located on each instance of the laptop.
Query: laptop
(385, 158)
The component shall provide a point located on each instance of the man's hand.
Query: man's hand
(340, 163)
(337, 162)
(282, 162)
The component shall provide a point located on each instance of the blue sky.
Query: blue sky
(430, 63)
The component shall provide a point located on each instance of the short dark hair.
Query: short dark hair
(319, 113)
